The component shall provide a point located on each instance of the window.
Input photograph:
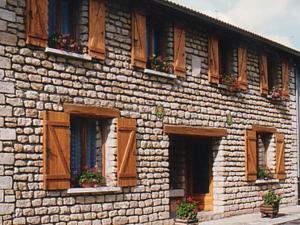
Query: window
(155, 39)
(264, 148)
(84, 136)
(55, 24)
(225, 57)
(274, 76)
(265, 155)
(157, 58)
(227, 64)
(88, 139)
(63, 15)
(153, 47)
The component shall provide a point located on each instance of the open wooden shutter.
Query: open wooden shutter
(97, 29)
(138, 54)
(285, 78)
(56, 171)
(126, 152)
(263, 70)
(37, 23)
(280, 167)
(242, 67)
(213, 60)
(251, 155)
(179, 51)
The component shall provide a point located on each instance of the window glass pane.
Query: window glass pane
(65, 17)
(91, 144)
(52, 16)
(76, 149)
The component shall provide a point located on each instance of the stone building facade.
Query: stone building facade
(189, 130)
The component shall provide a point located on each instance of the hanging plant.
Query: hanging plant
(160, 111)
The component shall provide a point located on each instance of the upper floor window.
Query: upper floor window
(157, 57)
(274, 76)
(223, 58)
(63, 25)
(55, 23)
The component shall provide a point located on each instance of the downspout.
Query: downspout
(298, 129)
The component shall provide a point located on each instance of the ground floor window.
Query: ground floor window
(88, 139)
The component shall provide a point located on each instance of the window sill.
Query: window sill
(275, 99)
(158, 73)
(225, 87)
(176, 193)
(269, 181)
(68, 54)
(97, 190)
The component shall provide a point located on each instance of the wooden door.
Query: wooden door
(199, 179)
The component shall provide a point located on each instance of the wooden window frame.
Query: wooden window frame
(270, 130)
(93, 112)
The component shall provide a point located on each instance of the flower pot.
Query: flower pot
(89, 185)
(269, 210)
(186, 221)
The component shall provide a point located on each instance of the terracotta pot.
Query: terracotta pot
(187, 221)
(269, 210)
(88, 185)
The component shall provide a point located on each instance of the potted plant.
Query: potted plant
(276, 93)
(158, 64)
(186, 212)
(264, 173)
(230, 82)
(270, 206)
(64, 42)
(91, 178)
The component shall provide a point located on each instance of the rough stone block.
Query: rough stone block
(7, 159)
(6, 182)
(5, 63)
(5, 111)
(6, 209)
(8, 39)
(3, 25)
(2, 99)
(2, 3)
(1, 74)
(7, 15)
(1, 195)
(7, 134)
(7, 87)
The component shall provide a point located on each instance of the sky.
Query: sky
(278, 20)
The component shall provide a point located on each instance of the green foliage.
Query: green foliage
(231, 82)
(186, 210)
(263, 172)
(271, 198)
(91, 176)
(158, 64)
(64, 42)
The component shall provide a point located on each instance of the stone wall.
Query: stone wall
(32, 81)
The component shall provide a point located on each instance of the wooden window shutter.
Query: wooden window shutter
(37, 23)
(179, 51)
(126, 152)
(263, 70)
(285, 78)
(251, 155)
(280, 167)
(242, 68)
(97, 29)
(213, 60)
(56, 171)
(138, 54)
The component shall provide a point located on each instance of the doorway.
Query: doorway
(191, 159)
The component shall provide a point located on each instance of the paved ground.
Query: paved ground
(287, 216)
